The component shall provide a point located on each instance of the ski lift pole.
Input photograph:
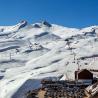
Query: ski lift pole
(10, 57)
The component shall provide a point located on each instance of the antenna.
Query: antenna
(74, 54)
(78, 65)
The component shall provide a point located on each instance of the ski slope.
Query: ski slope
(31, 52)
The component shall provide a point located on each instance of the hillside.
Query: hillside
(31, 52)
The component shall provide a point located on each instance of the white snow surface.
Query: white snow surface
(29, 54)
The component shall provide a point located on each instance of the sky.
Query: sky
(69, 13)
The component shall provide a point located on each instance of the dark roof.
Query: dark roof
(84, 70)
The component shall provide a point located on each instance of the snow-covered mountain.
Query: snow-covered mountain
(30, 52)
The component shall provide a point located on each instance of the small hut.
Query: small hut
(84, 76)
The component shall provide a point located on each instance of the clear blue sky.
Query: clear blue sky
(70, 13)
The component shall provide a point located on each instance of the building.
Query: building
(92, 90)
(84, 76)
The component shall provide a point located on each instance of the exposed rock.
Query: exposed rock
(23, 24)
(36, 26)
(46, 23)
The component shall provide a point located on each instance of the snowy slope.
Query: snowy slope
(30, 52)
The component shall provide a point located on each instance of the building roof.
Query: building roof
(79, 71)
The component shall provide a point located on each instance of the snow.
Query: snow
(29, 54)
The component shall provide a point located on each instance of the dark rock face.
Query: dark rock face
(46, 23)
(93, 33)
(23, 24)
(36, 26)
(2, 30)
(1, 77)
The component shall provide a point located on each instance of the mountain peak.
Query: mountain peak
(46, 23)
(42, 24)
(23, 23)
